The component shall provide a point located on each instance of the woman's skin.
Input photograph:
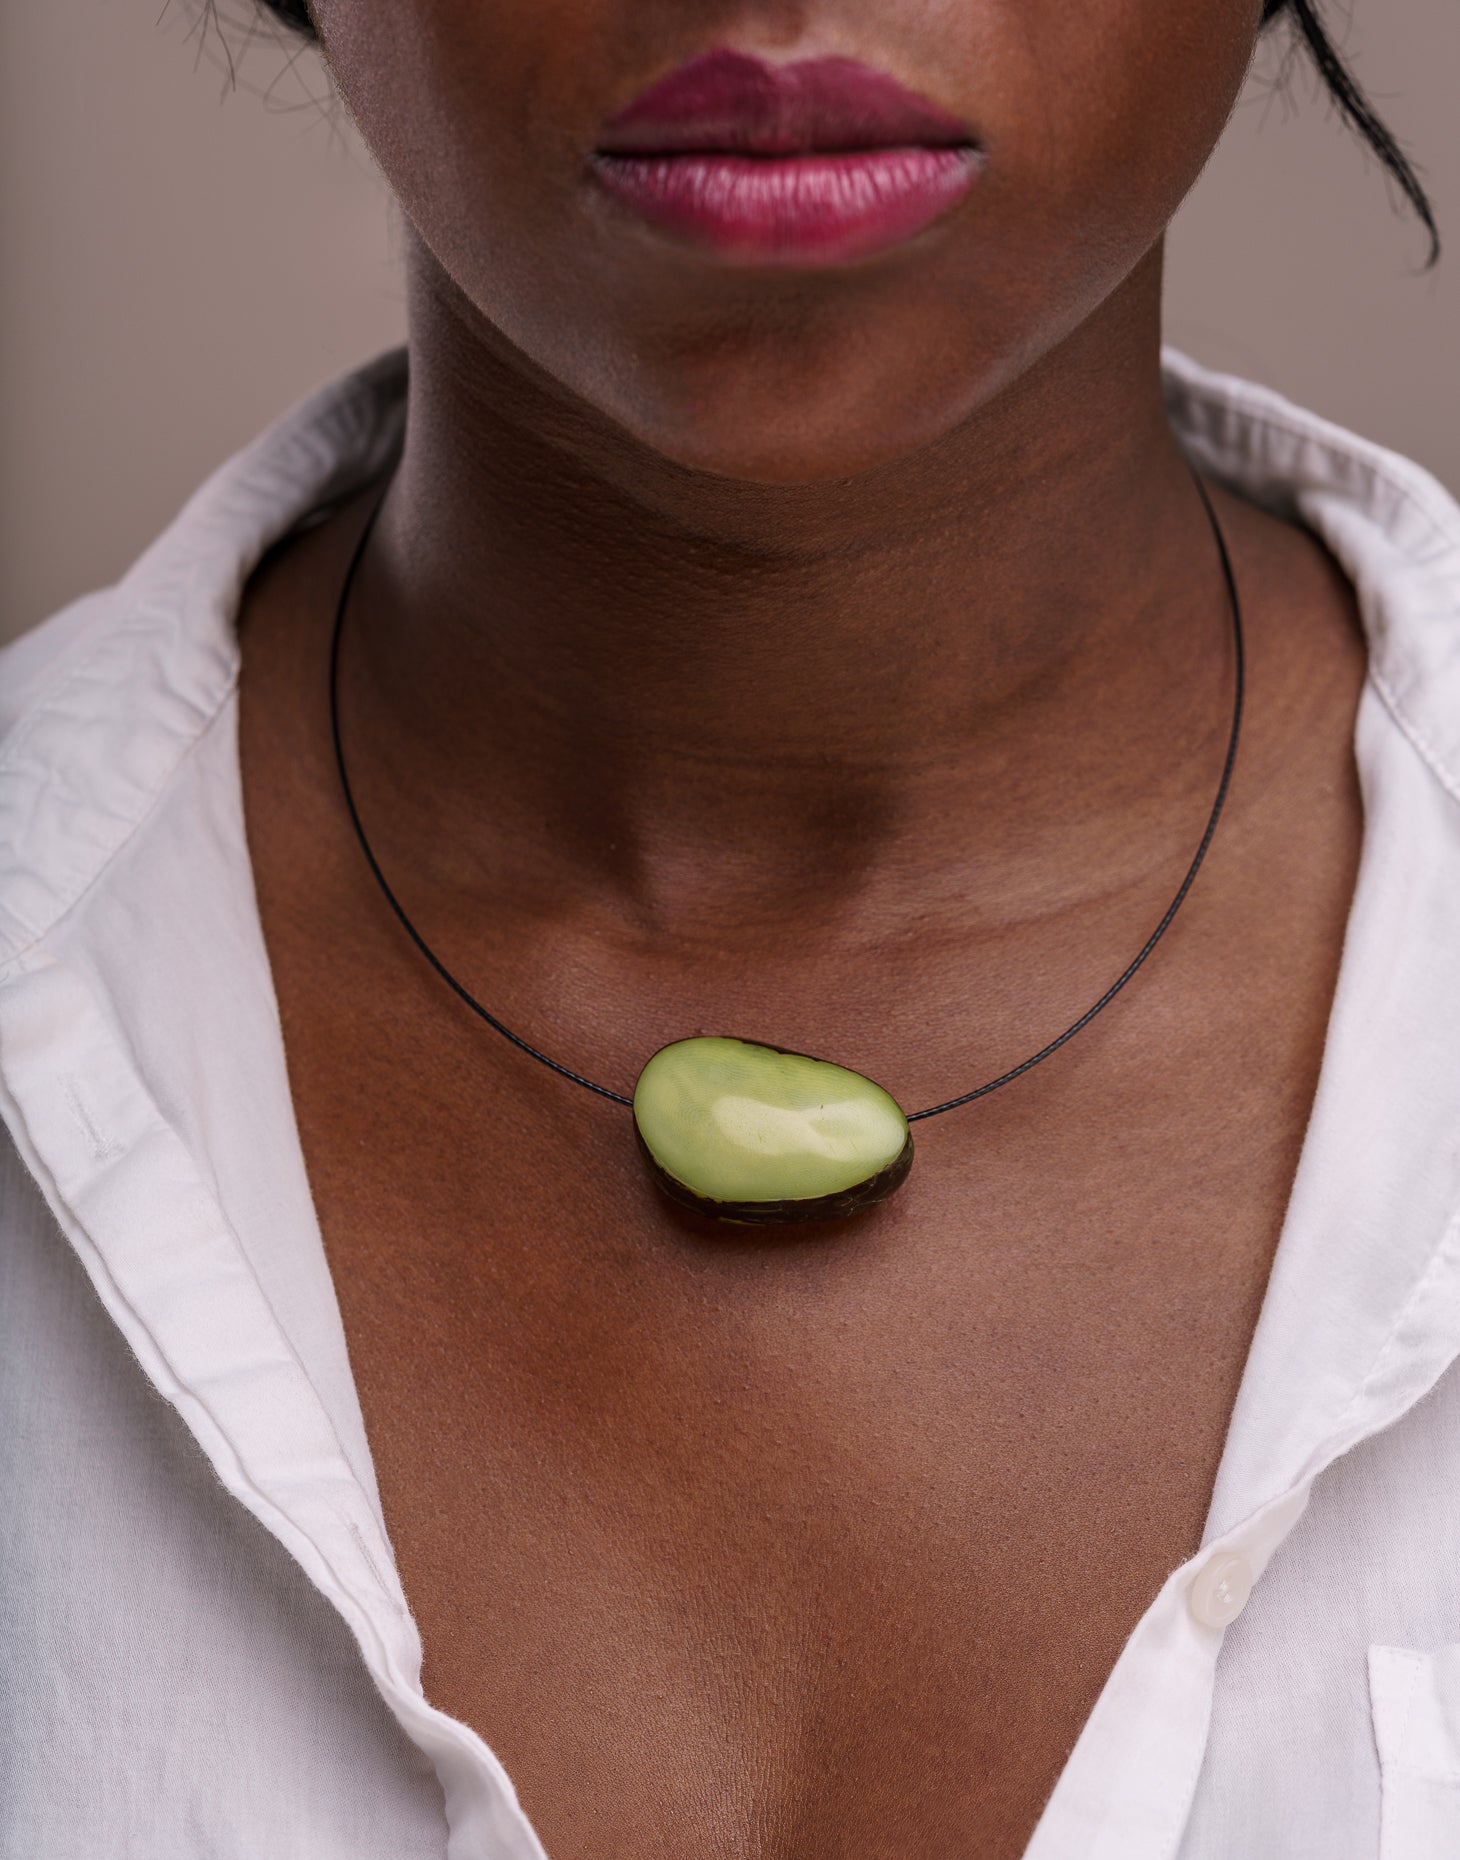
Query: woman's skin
(839, 658)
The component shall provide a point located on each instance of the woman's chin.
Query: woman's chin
(734, 429)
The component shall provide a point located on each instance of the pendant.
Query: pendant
(759, 1135)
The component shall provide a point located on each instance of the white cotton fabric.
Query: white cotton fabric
(205, 1653)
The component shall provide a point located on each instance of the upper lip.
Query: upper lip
(731, 101)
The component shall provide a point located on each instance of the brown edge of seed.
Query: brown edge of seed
(845, 1201)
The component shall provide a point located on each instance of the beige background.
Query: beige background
(182, 260)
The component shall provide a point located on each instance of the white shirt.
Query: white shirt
(206, 1652)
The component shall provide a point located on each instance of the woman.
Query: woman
(790, 599)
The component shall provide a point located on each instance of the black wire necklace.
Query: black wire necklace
(758, 1134)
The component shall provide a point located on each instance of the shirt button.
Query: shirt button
(1221, 1588)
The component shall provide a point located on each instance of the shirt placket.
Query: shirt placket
(1361, 1316)
(165, 1262)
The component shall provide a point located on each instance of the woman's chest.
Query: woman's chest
(799, 1544)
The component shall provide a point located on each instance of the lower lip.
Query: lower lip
(792, 209)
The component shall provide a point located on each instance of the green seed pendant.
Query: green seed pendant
(760, 1135)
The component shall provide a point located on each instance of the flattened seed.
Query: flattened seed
(752, 1133)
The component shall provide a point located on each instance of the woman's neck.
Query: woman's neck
(977, 663)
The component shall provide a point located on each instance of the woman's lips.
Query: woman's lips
(811, 163)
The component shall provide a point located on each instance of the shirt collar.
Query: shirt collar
(1352, 1329)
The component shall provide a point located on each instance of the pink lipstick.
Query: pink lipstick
(811, 163)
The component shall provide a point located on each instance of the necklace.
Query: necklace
(757, 1134)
